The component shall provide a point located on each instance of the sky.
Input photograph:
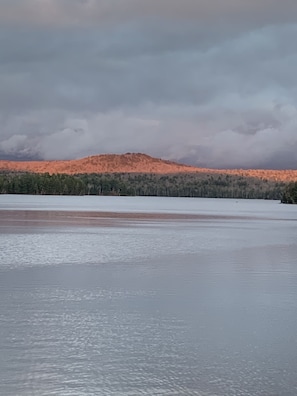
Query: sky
(206, 82)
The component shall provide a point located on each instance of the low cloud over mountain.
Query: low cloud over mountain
(210, 82)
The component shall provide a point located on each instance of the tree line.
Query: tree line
(290, 194)
(131, 184)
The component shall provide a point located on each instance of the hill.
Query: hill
(136, 163)
(105, 163)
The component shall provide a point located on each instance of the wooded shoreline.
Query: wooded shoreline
(144, 184)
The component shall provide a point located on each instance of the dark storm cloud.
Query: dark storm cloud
(207, 82)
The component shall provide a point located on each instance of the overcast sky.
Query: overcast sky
(208, 82)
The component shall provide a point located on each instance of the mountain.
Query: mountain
(133, 163)
(105, 163)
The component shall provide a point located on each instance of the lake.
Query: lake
(147, 296)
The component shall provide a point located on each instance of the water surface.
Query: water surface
(147, 296)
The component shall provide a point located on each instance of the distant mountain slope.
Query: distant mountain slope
(134, 163)
(105, 163)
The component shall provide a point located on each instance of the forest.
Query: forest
(290, 194)
(144, 184)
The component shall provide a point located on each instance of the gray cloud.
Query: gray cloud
(211, 82)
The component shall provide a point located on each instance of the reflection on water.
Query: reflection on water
(155, 305)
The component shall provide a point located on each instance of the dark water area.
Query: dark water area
(132, 296)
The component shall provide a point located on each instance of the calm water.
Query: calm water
(154, 296)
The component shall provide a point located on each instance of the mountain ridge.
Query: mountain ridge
(134, 163)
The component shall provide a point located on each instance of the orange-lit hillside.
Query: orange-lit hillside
(135, 163)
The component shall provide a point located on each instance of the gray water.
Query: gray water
(147, 296)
